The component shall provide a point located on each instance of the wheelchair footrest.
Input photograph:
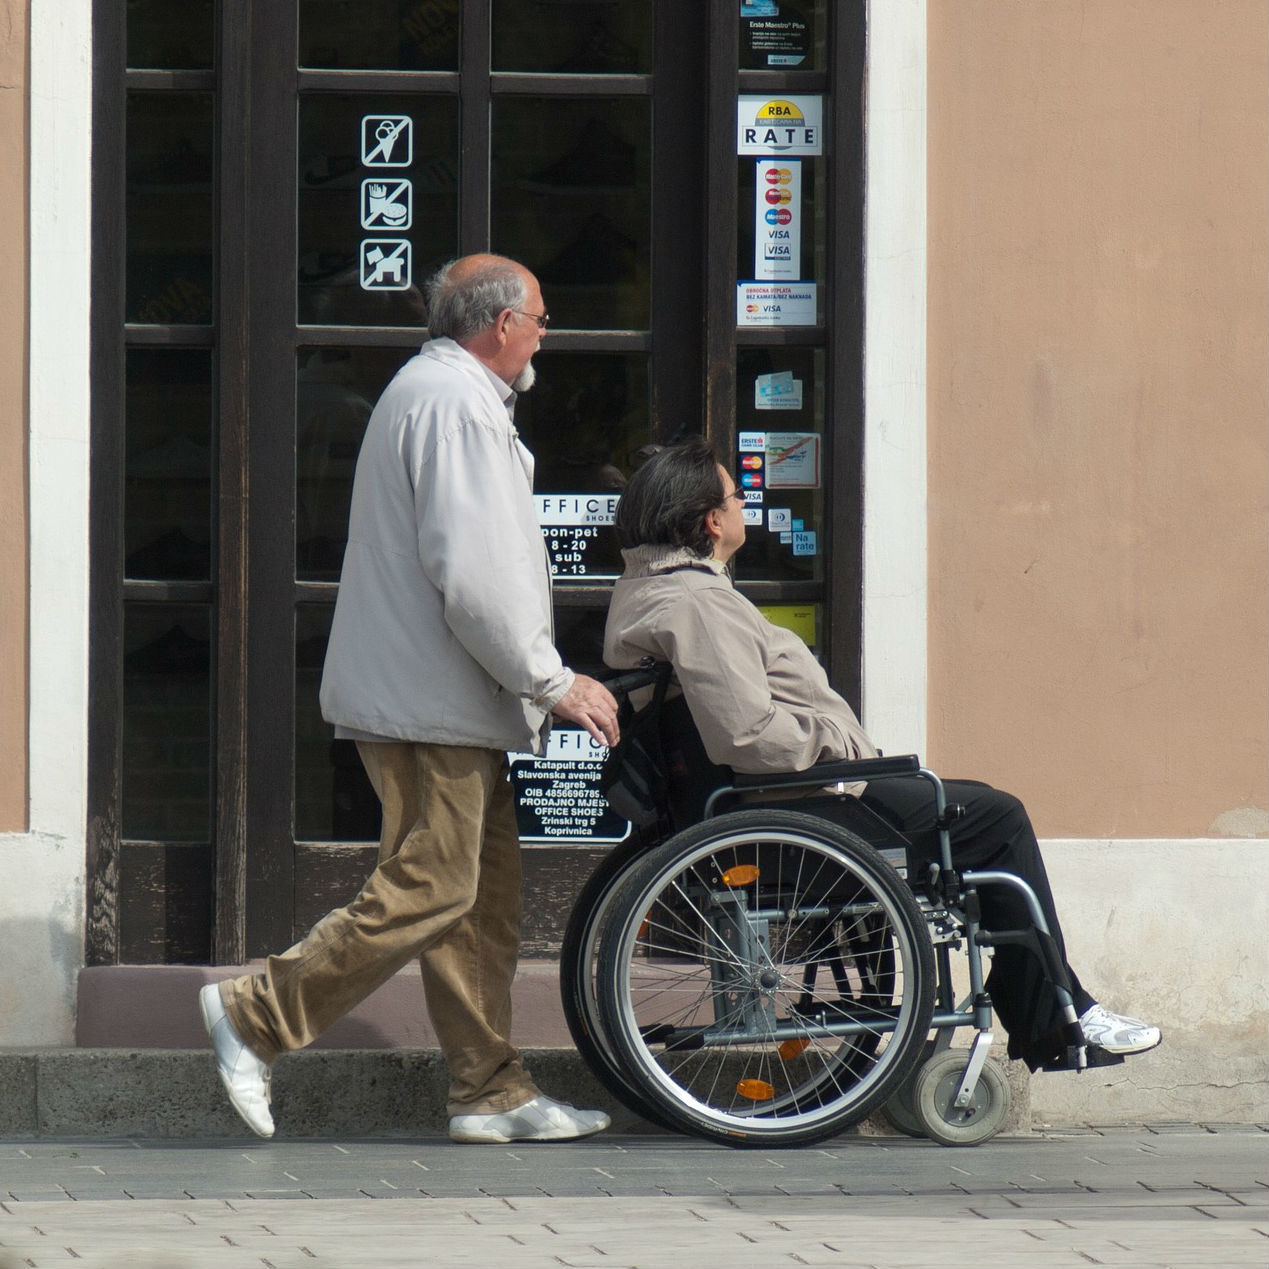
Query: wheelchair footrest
(1094, 1056)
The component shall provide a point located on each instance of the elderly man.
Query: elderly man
(761, 702)
(440, 660)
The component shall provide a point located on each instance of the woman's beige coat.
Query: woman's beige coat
(760, 700)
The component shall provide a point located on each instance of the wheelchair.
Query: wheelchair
(761, 971)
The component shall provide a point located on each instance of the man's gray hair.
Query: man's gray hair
(464, 307)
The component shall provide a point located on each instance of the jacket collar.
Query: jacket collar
(445, 350)
(649, 561)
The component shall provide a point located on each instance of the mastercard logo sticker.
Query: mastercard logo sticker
(779, 176)
(751, 462)
(775, 196)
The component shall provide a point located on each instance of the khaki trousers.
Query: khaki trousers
(447, 891)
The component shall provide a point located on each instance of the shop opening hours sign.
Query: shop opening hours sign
(579, 535)
(558, 798)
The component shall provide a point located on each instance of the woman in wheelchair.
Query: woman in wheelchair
(762, 704)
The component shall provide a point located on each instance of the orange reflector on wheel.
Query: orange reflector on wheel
(741, 875)
(791, 1049)
(755, 1090)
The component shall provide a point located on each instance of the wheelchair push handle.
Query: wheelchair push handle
(645, 674)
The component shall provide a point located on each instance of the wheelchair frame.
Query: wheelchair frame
(955, 1096)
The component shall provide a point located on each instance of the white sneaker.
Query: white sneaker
(245, 1076)
(542, 1119)
(1116, 1034)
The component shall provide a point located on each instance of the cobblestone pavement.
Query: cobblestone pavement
(1145, 1196)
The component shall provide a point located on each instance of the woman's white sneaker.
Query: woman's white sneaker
(542, 1119)
(245, 1076)
(1116, 1034)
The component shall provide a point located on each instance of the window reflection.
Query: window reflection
(571, 37)
(379, 34)
(336, 388)
(168, 465)
(167, 36)
(167, 722)
(169, 208)
(334, 801)
(571, 198)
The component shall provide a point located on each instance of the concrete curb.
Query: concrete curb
(174, 1093)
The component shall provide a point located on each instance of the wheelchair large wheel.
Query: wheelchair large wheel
(579, 961)
(766, 978)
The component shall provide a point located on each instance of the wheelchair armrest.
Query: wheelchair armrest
(845, 771)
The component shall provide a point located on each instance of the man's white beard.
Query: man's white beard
(525, 379)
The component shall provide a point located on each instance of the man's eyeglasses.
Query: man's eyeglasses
(738, 494)
(543, 319)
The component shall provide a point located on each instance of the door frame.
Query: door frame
(255, 337)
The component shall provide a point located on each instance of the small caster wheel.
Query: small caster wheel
(899, 1109)
(935, 1091)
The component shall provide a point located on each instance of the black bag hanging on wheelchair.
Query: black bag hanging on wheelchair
(633, 774)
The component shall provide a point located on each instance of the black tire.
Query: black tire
(899, 1109)
(766, 978)
(935, 1089)
(579, 954)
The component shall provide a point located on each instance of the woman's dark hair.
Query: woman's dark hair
(668, 498)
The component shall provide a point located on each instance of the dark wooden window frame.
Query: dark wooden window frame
(254, 336)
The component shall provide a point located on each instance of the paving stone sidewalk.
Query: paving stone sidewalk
(1144, 1196)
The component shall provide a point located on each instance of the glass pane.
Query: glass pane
(167, 36)
(585, 420)
(336, 389)
(782, 34)
(169, 208)
(577, 37)
(571, 181)
(781, 241)
(334, 802)
(378, 205)
(167, 722)
(781, 462)
(168, 465)
(379, 34)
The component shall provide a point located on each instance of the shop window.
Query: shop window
(571, 199)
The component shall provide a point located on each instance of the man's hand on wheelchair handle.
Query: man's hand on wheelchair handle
(591, 705)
